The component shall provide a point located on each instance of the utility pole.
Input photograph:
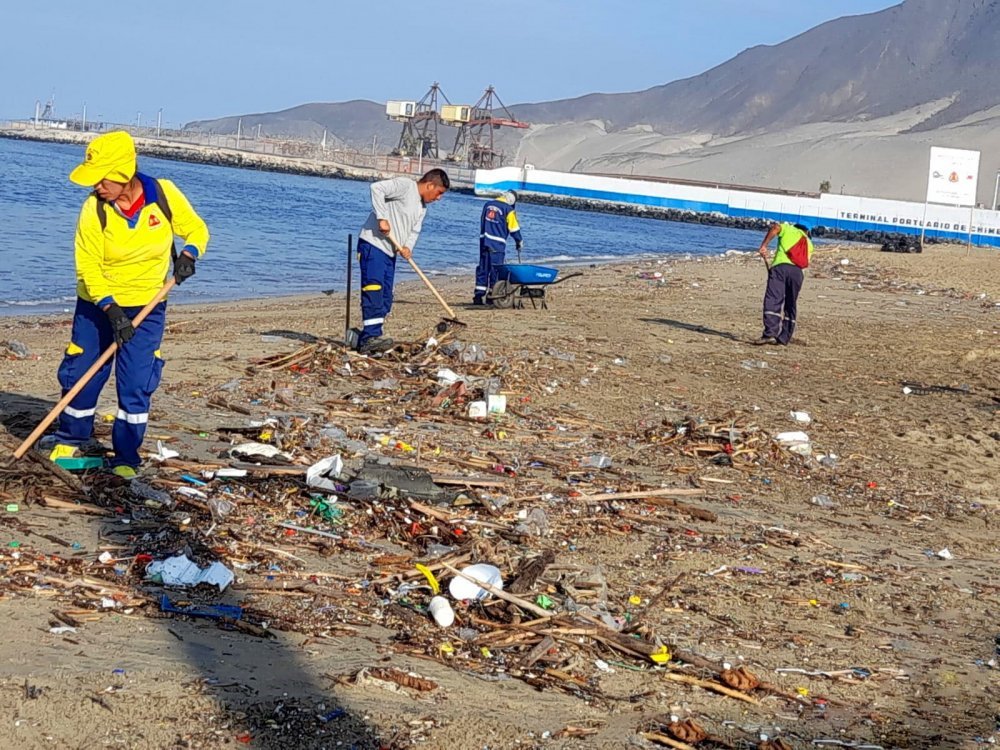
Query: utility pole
(258, 131)
(138, 119)
(996, 190)
(374, 138)
(38, 111)
(239, 132)
(159, 117)
(84, 124)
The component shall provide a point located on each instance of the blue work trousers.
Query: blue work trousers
(487, 272)
(378, 272)
(138, 369)
(784, 282)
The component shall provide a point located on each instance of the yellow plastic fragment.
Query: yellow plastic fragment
(435, 586)
(661, 655)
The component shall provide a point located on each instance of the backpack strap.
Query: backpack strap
(159, 199)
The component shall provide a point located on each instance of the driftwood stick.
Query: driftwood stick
(638, 495)
(662, 739)
(501, 594)
(709, 685)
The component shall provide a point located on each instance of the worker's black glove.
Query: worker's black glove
(183, 268)
(120, 324)
(519, 246)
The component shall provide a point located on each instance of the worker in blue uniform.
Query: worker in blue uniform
(497, 223)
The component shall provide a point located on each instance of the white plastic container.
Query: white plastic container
(462, 588)
(441, 611)
(477, 409)
(496, 404)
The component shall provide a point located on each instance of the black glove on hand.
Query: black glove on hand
(120, 324)
(183, 267)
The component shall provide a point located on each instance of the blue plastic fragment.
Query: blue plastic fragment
(210, 611)
(192, 480)
(331, 715)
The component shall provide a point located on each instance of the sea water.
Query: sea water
(277, 234)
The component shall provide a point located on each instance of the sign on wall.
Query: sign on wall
(953, 176)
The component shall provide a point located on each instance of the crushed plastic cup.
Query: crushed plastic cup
(461, 588)
(363, 489)
(800, 416)
(478, 409)
(496, 404)
(796, 442)
(441, 611)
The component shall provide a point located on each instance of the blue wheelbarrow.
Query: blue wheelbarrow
(519, 281)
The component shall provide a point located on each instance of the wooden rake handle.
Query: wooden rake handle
(415, 267)
(72, 392)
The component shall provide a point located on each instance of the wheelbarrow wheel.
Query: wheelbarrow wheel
(502, 294)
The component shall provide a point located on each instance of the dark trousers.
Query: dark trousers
(138, 369)
(486, 271)
(378, 271)
(784, 282)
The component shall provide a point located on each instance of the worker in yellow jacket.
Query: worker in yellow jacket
(124, 249)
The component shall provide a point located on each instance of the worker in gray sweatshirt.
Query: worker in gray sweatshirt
(398, 207)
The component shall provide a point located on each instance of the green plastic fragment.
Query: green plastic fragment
(80, 464)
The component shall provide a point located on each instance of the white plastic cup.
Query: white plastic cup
(496, 403)
(441, 611)
(477, 409)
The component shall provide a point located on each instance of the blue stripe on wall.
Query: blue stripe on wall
(724, 209)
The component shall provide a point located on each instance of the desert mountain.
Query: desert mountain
(856, 101)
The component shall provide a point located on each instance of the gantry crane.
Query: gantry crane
(474, 143)
(420, 124)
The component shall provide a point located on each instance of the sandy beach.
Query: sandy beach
(858, 584)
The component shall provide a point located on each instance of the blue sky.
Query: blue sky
(211, 58)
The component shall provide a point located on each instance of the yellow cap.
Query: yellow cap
(109, 157)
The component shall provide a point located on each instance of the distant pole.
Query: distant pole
(38, 113)
(258, 131)
(923, 224)
(374, 138)
(972, 213)
(239, 132)
(84, 124)
(323, 142)
(159, 118)
(996, 189)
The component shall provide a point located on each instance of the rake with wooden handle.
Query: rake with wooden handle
(451, 320)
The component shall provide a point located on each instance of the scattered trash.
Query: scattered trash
(210, 611)
(321, 474)
(441, 611)
(180, 571)
(945, 554)
(496, 404)
(800, 416)
(461, 588)
(596, 461)
(796, 442)
(477, 409)
(823, 501)
(16, 349)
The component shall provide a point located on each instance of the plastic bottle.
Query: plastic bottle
(596, 461)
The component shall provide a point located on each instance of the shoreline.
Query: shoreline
(240, 159)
